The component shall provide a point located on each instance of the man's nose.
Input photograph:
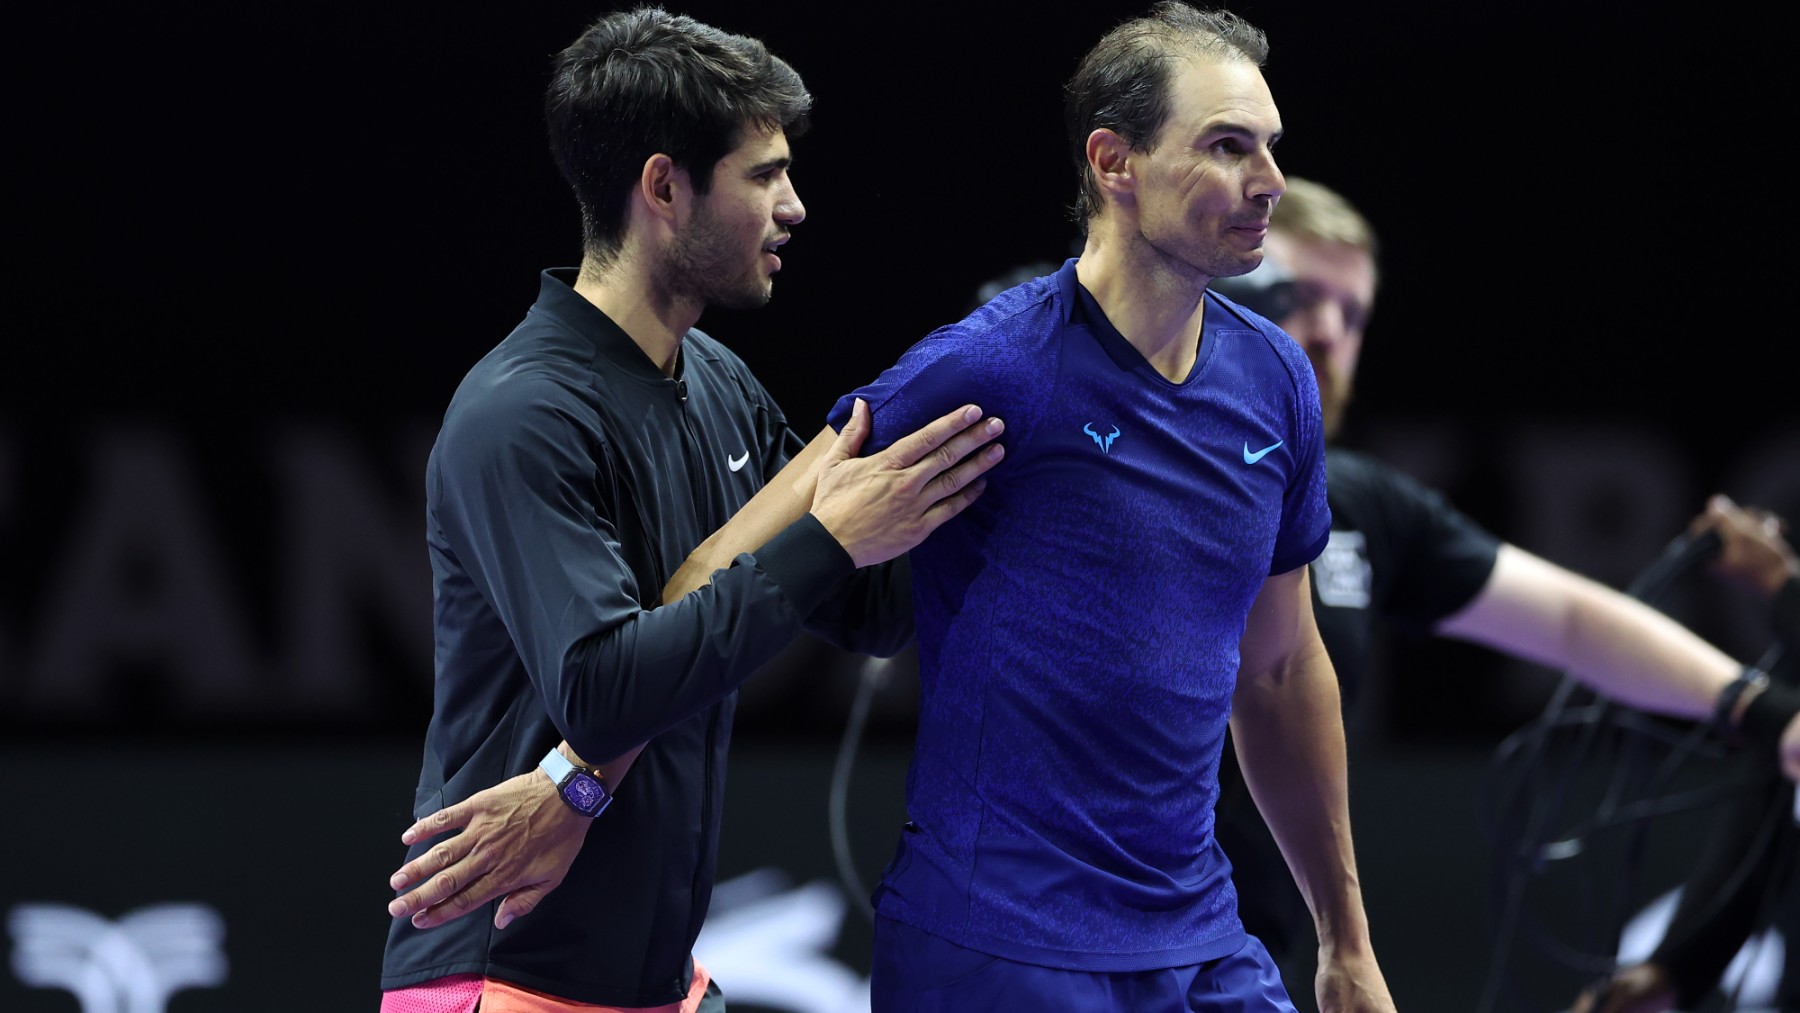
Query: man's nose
(1266, 181)
(789, 210)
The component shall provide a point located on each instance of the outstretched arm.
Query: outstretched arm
(1287, 725)
(518, 839)
(1615, 644)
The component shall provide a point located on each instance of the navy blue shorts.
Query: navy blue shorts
(917, 972)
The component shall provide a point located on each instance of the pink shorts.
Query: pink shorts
(460, 993)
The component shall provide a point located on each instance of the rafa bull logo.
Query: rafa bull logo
(1103, 442)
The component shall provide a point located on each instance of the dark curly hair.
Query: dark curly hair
(641, 82)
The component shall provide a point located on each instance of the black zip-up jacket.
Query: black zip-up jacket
(568, 482)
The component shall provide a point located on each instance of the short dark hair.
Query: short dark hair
(1123, 82)
(645, 81)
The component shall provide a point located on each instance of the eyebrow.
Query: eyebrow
(1238, 130)
(785, 161)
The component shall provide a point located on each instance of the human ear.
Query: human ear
(1109, 161)
(661, 185)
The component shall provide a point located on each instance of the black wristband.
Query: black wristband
(1768, 715)
(1722, 725)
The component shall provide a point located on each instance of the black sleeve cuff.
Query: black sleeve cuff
(870, 612)
(805, 562)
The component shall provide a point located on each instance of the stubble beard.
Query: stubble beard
(1188, 257)
(1334, 396)
(704, 267)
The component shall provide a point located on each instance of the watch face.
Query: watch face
(585, 794)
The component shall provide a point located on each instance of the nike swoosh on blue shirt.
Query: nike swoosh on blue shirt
(1250, 458)
(734, 463)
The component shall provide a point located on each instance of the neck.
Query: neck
(1157, 308)
(632, 296)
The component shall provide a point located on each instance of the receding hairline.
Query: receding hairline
(1230, 123)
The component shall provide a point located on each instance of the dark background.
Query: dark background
(255, 248)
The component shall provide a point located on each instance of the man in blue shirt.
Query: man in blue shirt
(1135, 577)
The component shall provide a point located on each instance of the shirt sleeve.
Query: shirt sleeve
(952, 367)
(1434, 558)
(870, 612)
(520, 509)
(1305, 512)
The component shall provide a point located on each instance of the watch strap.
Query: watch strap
(555, 766)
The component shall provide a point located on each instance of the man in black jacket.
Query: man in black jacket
(577, 466)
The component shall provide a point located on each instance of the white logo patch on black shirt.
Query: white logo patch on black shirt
(1342, 572)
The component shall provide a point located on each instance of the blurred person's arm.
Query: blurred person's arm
(1611, 642)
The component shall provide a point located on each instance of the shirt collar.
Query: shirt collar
(1081, 309)
(558, 299)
